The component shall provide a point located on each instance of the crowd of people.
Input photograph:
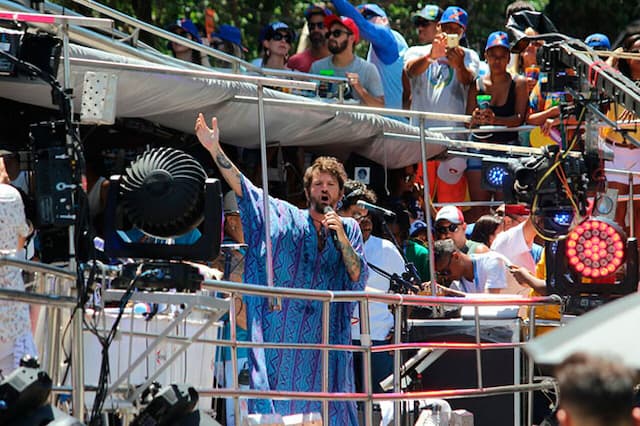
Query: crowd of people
(441, 74)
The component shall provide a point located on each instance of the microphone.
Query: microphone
(334, 235)
(375, 209)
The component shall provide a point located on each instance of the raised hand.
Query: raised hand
(208, 137)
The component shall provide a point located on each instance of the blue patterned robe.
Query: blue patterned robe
(297, 263)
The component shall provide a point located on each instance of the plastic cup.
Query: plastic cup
(483, 101)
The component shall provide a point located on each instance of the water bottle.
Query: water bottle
(244, 380)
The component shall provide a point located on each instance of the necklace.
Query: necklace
(320, 233)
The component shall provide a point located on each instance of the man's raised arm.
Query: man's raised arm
(210, 140)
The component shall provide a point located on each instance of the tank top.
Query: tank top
(506, 110)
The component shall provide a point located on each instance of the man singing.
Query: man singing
(313, 249)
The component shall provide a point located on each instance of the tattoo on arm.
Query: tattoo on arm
(351, 261)
(223, 161)
(229, 171)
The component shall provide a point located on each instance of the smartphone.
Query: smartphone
(453, 40)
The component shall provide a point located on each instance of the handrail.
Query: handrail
(37, 267)
(396, 299)
(355, 296)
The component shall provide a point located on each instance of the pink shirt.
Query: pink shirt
(302, 61)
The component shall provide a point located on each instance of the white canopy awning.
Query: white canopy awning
(172, 97)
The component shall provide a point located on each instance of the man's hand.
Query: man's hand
(208, 137)
(333, 222)
(455, 56)
(439, 46)
(354, 81)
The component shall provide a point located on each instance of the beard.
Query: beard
(319, 203)
(317, 39)
(336, 48)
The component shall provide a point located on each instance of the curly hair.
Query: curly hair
(355, 191)
(329, 165)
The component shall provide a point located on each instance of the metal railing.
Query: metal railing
(398, 301)
(55, 291)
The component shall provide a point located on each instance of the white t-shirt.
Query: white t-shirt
(438, 89)
(512, 244)
(489, 272)
(383, 254)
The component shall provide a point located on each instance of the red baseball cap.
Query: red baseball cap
(516, 210)
(346, 22)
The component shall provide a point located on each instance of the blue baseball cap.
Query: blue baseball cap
(598, 41)
(497, 39)
(316, 9)
(274, 27)
(229, 33)
(417, 226)
(188, 26)
(455, 15)
(371, 9)
(430, 12)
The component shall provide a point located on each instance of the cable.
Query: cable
(105, 343)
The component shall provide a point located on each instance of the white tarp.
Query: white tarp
(607, 330)
(163, 95)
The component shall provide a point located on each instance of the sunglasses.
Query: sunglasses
(445, 229)
(217, 44)
(337, 33)
(421, 23)
(359, 217)
(313, 25)
(285, 37)
(369, 15)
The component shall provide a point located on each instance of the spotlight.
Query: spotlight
(173, 405)
(595, 248)
(594, 264)
(164, 193)
(494, 174)
(23, 398)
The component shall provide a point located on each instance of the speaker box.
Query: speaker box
(456, 369)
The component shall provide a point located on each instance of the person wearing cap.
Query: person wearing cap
(278, 38)
(426, 22)
(450, 223)
(314, 248)
(470, 273)
(598, 41)
(507, 107)
(363, 77)
(516, 243)
(314, 15)
(386, 50)
(416, 249)
(186, 28)
(382, 254)
(442, 71)
(227, 39)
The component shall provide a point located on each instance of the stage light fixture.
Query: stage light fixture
(595, 248)
(495, 174)
(164, 193)
(594, 264)
(173, 405)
